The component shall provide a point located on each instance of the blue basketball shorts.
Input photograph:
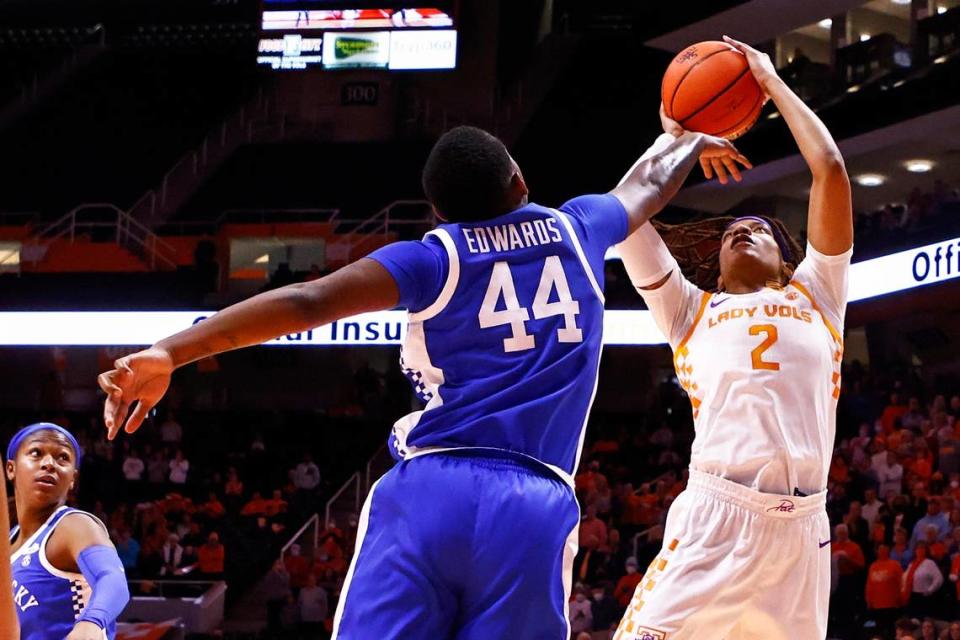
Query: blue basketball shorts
(462, 545)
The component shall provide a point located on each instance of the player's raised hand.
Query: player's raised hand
(760, 64)
(139, 379)
(719, 157)
(670, 125)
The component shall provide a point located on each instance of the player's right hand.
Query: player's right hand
(141, 378)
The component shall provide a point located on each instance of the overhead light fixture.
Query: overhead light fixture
(899, 83)
(918, 166)
(774, 115)
(264, 259)
(864, 37)
(901, 1)
(853, 89)
(941, 9)
(870, 179)
(940, 60)
(826, 23)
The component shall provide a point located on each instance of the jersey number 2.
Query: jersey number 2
(757, 354)
(501, 284)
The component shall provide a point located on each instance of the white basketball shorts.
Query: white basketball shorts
(736, 564)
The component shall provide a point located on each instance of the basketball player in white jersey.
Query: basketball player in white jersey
(746, 546)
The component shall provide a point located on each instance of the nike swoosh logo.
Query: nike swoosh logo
(716, 303)
(823, 544)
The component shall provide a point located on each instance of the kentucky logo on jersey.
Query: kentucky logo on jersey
(28, 554)
(644, 633)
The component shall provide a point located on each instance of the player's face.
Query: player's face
(748, 251)
(44, 470)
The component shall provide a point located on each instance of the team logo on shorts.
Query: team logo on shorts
(785, 506)
(645, 633)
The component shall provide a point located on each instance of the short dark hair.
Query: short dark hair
(467, 175)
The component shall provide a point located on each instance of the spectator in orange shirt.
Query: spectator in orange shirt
(936, 549)
(592, 526)
(850, 562)
(628, 583)
(275, 505)
(297, 566)
(838, 470)
(213, 508)
(257, 506)
(883, 588)
(631, 507)
(210, 557)
(586, 481)
(893, 411)
(848, 553)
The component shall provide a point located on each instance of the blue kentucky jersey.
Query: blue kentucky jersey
(505, 329)
(48, 601)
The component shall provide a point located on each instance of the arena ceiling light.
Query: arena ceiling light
(918, 166)
(870, 179)
(826, 23)
(901, 1)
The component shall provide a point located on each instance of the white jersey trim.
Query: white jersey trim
(358, 549)
(32, 539)
(45, 562)
(570, 550)
(453, 278)
(579, 249)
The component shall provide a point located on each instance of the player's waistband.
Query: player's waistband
(497, 459)
(767, 504)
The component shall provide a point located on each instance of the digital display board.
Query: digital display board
(356, 19)
(423, 50)
(366, 50)
(344, 34)
(291, 51)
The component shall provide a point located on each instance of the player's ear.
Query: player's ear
(719, 283)
(10, 470)
(437, 213)
(518, 191)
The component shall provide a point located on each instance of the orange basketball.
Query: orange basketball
(709, 88)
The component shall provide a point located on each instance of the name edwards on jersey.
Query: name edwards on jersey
(507, 237)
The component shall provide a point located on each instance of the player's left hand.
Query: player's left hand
(719, 158)
(142, 378)
(86, 631)
(761, 66)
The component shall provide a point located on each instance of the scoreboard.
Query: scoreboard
(368, 34)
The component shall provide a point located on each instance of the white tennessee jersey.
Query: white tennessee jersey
(763, 373)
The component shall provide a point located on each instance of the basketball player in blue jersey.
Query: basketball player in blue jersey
(68, 581)
(472, 534)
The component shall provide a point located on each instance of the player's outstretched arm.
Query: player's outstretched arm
(141, 379)
(9, 625)
(657, 176)
(830, 218)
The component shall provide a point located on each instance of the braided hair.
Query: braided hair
(696, 246)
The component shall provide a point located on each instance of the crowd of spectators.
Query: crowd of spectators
(893, 502)
(925, 216)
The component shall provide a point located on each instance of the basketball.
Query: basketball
(708, 88)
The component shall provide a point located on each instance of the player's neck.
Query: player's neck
(30, 519)
(749, 283)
